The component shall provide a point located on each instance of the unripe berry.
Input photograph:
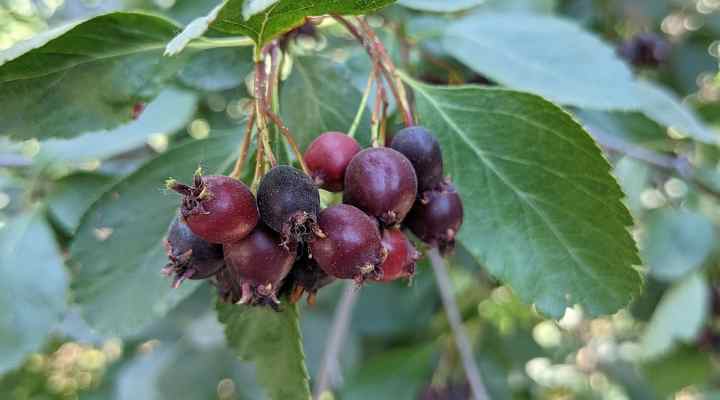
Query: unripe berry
(190, 256)
(437, 216)
(327, 158)
(423, 150)
(382, 182)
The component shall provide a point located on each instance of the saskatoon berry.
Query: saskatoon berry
(645, 50)
(382, 182)
(257, 266)
(401, 256)
(190, 256)
(423, 150)
(437, 216)
(307, 277)
(219, 209)
(328, 156)
(352, 248)
(289, 204)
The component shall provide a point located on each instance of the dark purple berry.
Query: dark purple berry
(307, 277)
(645, 50)
(382, 182)
(401, 256)
(219, 209)
(423, 150)
(256, 266)
(352, 248)
(289, 203)
(190, 256)
(437, 216)
(327, 158)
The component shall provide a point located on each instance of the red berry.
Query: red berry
(382, 182)
(138, 108)
(219, 209)
(401, 256)
(289, 204)
(437, 216)
(328, 156)
(257, 266)
(352, 248)
(190, 256)
(423, 150)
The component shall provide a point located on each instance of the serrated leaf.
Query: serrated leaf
(87, 76)
(542, 211)
(540, 54)
(664, 107)
(33, 289)
(440, 6)
(677, 242)
(318, 97)
(678, 318)
(273, 341)
(117, 253)
(285, 15)
(73, 195)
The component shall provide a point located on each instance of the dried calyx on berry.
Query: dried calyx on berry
(423, 150)
(306, 276)
(382, 182)
(352, 248)
(289, 203)
(401, 256)
(256, 268)
(219, 209)
(437, 216)
(327, 158)
(190, 257)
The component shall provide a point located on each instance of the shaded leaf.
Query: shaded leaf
(217, 69)
(73, 195)
(441, 6)
(194, 30)
(542, 211)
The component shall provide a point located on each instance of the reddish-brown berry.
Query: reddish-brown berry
(382, 182)
(219, 209)
(327, 158)
(352, 248)
(257, 266)
(423, 150)
(437, 216)
(401, 256)
(190, 256)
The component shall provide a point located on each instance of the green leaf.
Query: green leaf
(684, 367)
(285, 15)
(117, 253)
(440, 6)
(252, 7)
(540, 54)
(631, 127)
(73, 195)
(542, 211)
(217, 69)
(318, 97)
(87, 76)
(273, 341)
(664, 107)
(194, 30)
(678, 318)
(33, 289)
(677, 242)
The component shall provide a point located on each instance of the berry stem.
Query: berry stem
(260, 98)
(244, 146)
(363, 105)
(453, 314)
(259, 160)
(330, 373)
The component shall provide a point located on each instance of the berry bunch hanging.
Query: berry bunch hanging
(255, 247)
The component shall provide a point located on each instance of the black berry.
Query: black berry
(328, 156)
(190, 257)
(423, 150)
(645, 50)
(437, 216)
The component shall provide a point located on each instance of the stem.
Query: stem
(260, 98)
(330, 367)
(259, 160)
(244, 146)
(363, 105)
(289, 138)
(453, 315)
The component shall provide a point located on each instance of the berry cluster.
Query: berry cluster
(253, 249)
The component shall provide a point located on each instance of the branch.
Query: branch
(453, 315)
(329, 373)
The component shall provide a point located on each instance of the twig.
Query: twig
(289, 138)
(244, 146)
(453, 315)
(329, 374)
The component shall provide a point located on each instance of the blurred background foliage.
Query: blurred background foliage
(666, 345)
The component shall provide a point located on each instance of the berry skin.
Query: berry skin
(645, 50)
(328, 156)
(219, 209)
(257, 266)
(437, 216)
(289, 203)
(352, 248)
(423, 150)
(382, 182)
(401, 256)
(307, 277)
(190, 256)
